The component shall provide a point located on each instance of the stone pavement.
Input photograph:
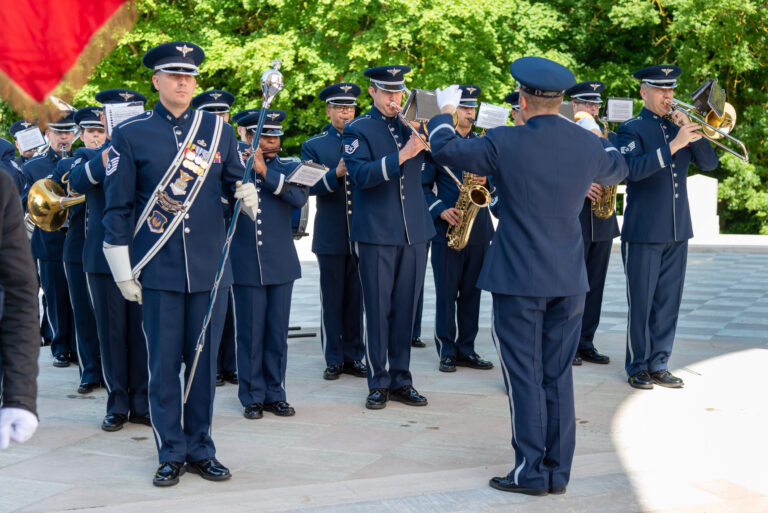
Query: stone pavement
(700, 449)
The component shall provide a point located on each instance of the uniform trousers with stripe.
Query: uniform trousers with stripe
(391, 278)
(420, 303)
(457, 298)
(86, 334)
(536, 338)
(261, 331)
(342, 309)
(227, 358)
(122, 345)
(596, 256)
(58, 311)
(655, 276)
(172, 322)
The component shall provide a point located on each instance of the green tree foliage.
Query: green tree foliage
(473, 41)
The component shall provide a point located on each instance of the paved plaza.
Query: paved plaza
(699, 449)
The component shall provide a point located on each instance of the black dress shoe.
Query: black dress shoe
(506, 484)
(592, 355)
(408, 395)
(356, 368)
(168, 473)
(72, 357)
(473, 361)
(417, 342)
(666, 379)
(447, 364)
(577, 359)
(557, 490)
(231, 377)
(113, 422)
(87, 388)
(253, 411)
(210, 469)
(332, 372)
(280, 408)
(377, 399)
(144, 420)
(61, 360)
(641, 380)
(219, 379)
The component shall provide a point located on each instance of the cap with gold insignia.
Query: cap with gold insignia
(19, 126)
(119, 96)
(272, 126)
(65, 123)
(176, 57)
(541, 77)
(389, 78)
(469, 94)
(242, 115)
(89, 117)
(586, 91)
(513, 99)
(344, 93)
(215, 100)
(663, 75)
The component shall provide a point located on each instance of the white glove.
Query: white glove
(451, 95)
(130, 289)
(16, 424)
(247, 193)
(119, 260)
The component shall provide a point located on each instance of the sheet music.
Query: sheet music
(491, 116)
(30, 139)
(308, 173)
(619, 110)
(116, 113)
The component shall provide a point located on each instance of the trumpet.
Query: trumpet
(713, 126)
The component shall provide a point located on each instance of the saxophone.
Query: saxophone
(604, 207)
(472, 197)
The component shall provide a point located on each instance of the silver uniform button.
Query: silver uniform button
(676, 195)
(349, 202)
(258, 232)
(258, 211)
(186, 216)
(258, 221)
(349, 212)
(674, 174)
(261, 243)
(675, 184)
(186, 230)
(349, 193)
(258, 189)
(178, 132)
(673, 165)
(402, 197)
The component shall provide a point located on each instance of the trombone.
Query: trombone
(713, 127)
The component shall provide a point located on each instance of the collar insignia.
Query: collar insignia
(184, 50)
(126, 96)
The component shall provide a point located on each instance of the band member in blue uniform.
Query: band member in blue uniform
(535, 265)
(48, 247)
(457, 298)
(390, 229)
(513, 99)
(340, 296)
(92, 134)
(657, 223)
(219, 102)
(23, 157)
(9, 164)
(167, 173)
(118, 322)
(598, 233)
(265, 265)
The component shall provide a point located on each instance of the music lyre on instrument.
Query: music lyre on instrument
(716, 116)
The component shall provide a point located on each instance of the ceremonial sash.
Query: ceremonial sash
(176, 191)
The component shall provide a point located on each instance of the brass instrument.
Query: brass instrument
(472, 197)
(716, 116)
(47, 204)
(605, 206)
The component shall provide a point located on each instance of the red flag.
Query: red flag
(51, 46)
